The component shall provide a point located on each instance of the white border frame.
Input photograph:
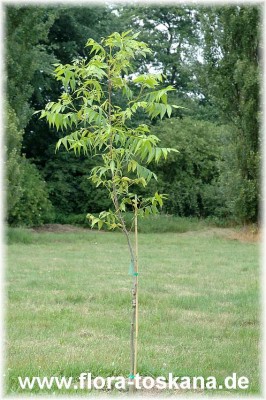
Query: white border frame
(263, 174)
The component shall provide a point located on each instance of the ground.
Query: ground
(69, 305)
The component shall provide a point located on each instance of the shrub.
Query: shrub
(33, 207)
(191, 176)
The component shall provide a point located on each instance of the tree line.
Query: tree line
(210, 55)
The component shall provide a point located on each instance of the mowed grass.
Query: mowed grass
(69, 307)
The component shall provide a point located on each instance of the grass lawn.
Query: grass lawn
(69, 307)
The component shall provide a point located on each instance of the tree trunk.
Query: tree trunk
(134, 320)
(132, 339)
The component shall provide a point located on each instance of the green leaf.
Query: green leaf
(169, 110)
(122, 207)
(158, 153)
(163, 110)
(159, 199)
(112, 166)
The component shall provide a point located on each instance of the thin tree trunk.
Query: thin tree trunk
(134, 320)
(132, 341)
(136, 287)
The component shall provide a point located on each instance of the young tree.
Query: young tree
(98, 126)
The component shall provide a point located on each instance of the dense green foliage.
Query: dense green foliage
(70, 189)
(33, 206)
(190, 176)
(27, 30)
(27, 52)
(27, 201)
(13, 159)
(231, 80)
(209, 54)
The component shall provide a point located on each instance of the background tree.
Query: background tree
(26, 31)
(172, 32)
(190, 177)
(231, 75)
